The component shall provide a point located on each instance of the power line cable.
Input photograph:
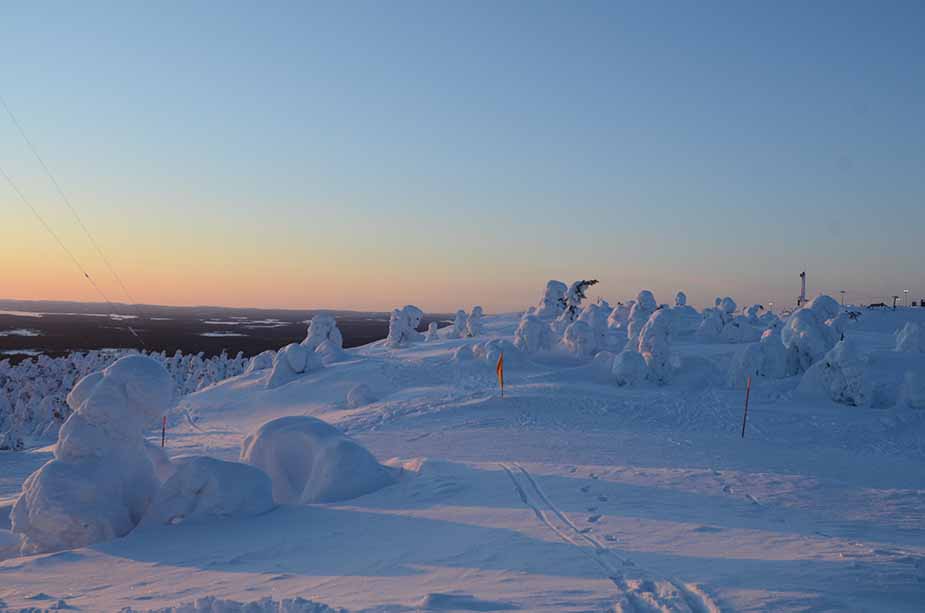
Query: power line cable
(64, 248)
(67, 201)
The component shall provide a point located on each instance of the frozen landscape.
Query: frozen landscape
(611, 476)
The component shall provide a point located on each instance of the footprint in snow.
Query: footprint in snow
(592, 509)
(602, 498)
(593, 519)
(584, 488)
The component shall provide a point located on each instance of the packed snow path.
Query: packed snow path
(570, 494)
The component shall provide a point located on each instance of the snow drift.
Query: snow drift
(310, 461)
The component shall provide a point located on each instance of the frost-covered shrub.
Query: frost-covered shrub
(532, 334)
(100, 450)
(290, 362)
(205, 489)
(310, 461)
(34, 390)
(680, 299)
(579, 339)
(840, 375)
(360, 395)
(655, 346)
(403, 326)
(490, 351)
(261, 361)
(768, 358)
(910, 339)
(553, 303)
(629, 367)
(639, 314)
(474, 322)
(431, 334)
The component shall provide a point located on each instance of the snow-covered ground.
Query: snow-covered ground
(570, 493)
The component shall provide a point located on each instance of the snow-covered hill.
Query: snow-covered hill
(570, 493)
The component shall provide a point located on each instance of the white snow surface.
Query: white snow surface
(572, 493)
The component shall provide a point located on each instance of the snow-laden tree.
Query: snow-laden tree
(553, 302)
(474, 322)
(533, 334)
(840, 375)
(577, 292)
(431, 334)
(403, 325)
(806, 335)
(768, 358)
(655, 346)
(579, 339)
(639, 314)
(100, 451)
(290, 362)
(459, 324)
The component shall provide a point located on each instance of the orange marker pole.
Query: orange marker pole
(748, 389)
(499, 369)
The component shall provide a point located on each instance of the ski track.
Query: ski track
(643, 592)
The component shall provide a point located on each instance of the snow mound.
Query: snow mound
(461, 602)
(100, 482)
(741, 330)
(211, 604)
(490, 351)
(204, 489)
(360, 395)
(310, 461)
(639, 314)
(629, 367)
(290, 362)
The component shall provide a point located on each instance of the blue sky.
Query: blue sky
(370, 154)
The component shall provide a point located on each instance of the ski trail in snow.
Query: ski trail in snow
(638, 594)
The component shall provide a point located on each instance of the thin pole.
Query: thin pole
(163, 430)
(748, 389)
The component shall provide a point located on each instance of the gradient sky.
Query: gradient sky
(367, 155)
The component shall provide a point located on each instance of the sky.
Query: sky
(365, 155)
